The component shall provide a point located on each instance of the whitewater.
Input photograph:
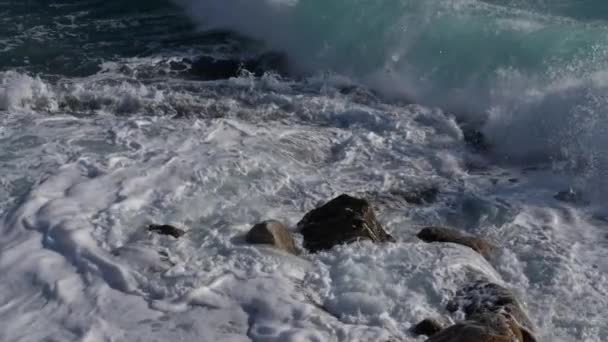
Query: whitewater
(104, 130)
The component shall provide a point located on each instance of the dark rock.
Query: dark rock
(344, 219)
(427, 327)
(439, 234)
(272, 233)
(209, 68)
(166, 229)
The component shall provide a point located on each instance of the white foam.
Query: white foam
(77, 261)
(22, 91)
(533, 78)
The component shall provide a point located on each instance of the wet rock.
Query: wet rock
(440, 234)
(493, 310)
(344, 219)
(488, 327)
(272, 233)
(165, 229)
(209, 68)
(427, 327)
(483, 296)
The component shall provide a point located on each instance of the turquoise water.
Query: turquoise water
(530, 72)
(531, 75)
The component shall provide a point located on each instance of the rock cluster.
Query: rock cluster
(492, 312)
(342, 220)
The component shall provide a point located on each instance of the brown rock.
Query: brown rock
(165, 229)
(272, 233)
(471, 331)
(483, 297)
(427, 327)
(486, 327)
(439, 234)
(344, 219)
(492, 313)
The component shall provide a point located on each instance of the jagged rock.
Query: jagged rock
(209, 68)
(344, 219)
(165, 229)
(272, 233)
(492, 312)
(427, 327)
(440, 234)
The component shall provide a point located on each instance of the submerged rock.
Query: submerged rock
(440, 234)
(400, 199)
(209, 68)
(344, 219)
(165, 229)
(427, 327)
(272, 233)
(419, 196)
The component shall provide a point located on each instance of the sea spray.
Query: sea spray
(530, 77)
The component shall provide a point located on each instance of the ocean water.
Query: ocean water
(100, 134)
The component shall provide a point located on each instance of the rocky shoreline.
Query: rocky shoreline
(489, 312)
